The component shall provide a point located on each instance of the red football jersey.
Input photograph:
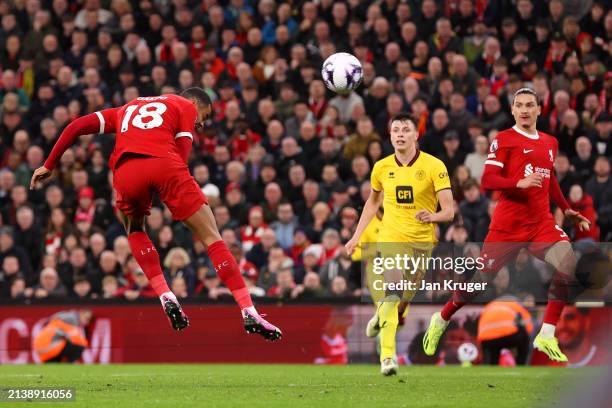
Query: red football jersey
(520, 154)
(149, 125)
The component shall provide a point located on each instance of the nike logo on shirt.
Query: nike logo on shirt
(527, 151)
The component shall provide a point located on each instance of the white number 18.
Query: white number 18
(152, 110)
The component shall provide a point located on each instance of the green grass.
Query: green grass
(294, 385)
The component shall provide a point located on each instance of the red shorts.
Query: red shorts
(136, 178)
(501, 247)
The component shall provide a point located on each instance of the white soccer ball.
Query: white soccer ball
(467, 352)
(342, 73)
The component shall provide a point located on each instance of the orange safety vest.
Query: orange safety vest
(501, 318)
(52, 338)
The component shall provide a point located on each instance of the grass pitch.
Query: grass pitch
(172, 385)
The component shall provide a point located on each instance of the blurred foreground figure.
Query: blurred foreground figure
(63, 337)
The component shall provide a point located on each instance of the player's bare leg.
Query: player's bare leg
(147, 257)
(563, 288)
(202, 223)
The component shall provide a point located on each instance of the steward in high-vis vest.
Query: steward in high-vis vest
(504, 324)
(63, 339)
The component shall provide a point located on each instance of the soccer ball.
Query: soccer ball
(466, 353)
(342, 73)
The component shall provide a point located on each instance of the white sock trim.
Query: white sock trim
(547, 331)
(249, 309)
(167, 294)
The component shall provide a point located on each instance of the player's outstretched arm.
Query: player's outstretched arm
(446, 213)
(85, 125)
(370, 208)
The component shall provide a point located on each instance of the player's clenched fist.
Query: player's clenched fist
(40, 174)
(532, 180)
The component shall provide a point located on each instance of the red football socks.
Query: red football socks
(229, 273)
(553, 311)
(450, 308)
(147, 257)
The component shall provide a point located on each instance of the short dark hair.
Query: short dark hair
(198, 94)
(526, 91)
(470, 183)
(402, 117)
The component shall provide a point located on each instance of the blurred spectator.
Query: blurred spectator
(18, 289)
(48, 286)
(8, 248)
(27, 234)
(565, 175)
(451, 155)
(310, 288)
(598, 187)
(82, 288)
(474, 207)
(339, 287)
(332, 246)
(139, 288)
(177, 264)
(311, 257)
(285, 226)
(210, 286)
(9, 274)
(526, 280)
(250, 235)
(110, 286)
(494, 117)
(482, 226)
(475, 161)
(358, 142)
(179, 287)
(584, 161)
(600, 183)
(259, 252)
(340, 266)
(285, 284)
(432, 141)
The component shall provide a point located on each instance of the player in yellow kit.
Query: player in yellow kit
(409, 184)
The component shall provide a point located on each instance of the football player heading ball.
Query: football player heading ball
(153, 141)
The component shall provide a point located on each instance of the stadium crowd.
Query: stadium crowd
(285, 164)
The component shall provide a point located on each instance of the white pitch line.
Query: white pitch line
(20, 375)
